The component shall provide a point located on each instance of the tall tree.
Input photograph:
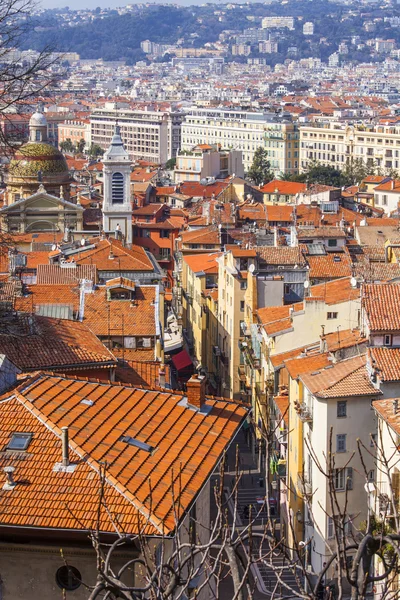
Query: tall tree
(260, 171)
(67, 145)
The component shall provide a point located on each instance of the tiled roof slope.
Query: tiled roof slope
(334, 292)
(186, 444)
(384, 408)
(104, 317)
(387, 361)
(381, 303)
(111, 255)
(45, 343)
(346, 378)
(56, 275)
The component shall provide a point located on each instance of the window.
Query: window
(332, 243)
(68, 578)
(19, 441)
(373, 440)
(117, 188)
(341, 442)
(371, 475)
(331, 315)
(131, 441)
(243, 285)
(387, 340)
(384, 199)
(343, 479)
(242, 306)
(341, 409)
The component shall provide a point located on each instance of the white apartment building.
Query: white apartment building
(335, 144)
(236, 130)
(154, 136)
(277, 22)
(308, 28)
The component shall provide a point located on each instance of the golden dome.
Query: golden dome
(35, 157)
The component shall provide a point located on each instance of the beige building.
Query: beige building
(199, 281)
(75, 131)
(336, 144)
(207, 162)
(282, 146)
(238, 130)
(154, 136)
(232, 286)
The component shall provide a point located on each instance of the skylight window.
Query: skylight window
(19, 441)
(134, 442)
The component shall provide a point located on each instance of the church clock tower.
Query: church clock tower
(117, 206)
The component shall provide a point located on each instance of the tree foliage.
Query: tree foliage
(260, 170)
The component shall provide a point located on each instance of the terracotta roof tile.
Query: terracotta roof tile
(205, 263)
(346, 378)
(53, 344)
(305, 364)
(187, 446)
(381, 303)
(334, 292)
(387, 361)
(384, 408)
(290, 188)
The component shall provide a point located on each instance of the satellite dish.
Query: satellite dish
(54, 247)
(306, 284)
(252, 268)
(83, 242)
(353, 282)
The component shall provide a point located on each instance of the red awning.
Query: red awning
(182, 360)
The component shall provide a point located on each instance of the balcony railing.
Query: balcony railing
(304, 411)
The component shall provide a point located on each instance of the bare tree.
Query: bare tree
(240, 542)
(20, 81)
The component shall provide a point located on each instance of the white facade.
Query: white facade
(335, 144)
(148, 135)
(359, 423)
(237, 130)
(277, 22)
(117, 206)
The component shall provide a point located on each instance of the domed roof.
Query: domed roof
(38, 120)
(39, 156)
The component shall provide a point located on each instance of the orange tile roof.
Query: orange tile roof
(381, 302)
(384, 408)
(56, 275)
(144, 374)
(53, 344)
(276, 319)
(389, 186)
(124, 259)
(138, 484)
(133, 318)
(346, 378)
(332, 265)
(334, 292)
(343, 338)
(386, 361)
(282, 255)
(289, 188)
(277, 360)
(306, 364)
(282, 404)
(205, 263)
(207, 235)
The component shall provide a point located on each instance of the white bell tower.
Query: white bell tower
(117, 206)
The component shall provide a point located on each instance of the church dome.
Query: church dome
(38, 120)
(39, 156)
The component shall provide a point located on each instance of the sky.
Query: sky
(75, 4)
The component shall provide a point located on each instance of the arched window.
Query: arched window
(117, 188)
(38, 135)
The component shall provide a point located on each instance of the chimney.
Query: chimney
(196, 390)
(395, 406)
(161, 375)
(65, 449)
(10, 483)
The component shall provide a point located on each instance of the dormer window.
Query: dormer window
(387, 339)
(120, 295)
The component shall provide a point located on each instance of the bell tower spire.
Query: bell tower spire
(117, 206)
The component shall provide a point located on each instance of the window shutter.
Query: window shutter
(349, 478)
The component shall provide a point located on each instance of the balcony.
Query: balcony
(163, 257)
(304, 411)
(242, 372)
(304, 485)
